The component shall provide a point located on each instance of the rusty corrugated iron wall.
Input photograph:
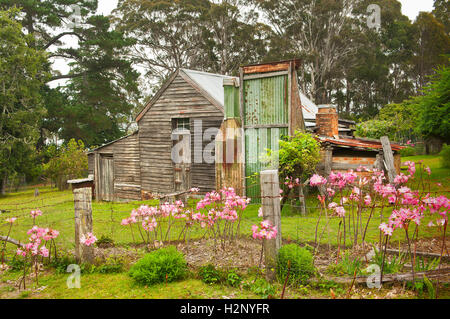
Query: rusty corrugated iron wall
(266, 113)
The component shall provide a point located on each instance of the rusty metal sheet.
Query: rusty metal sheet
(359, 143)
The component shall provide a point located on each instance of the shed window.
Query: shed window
(181, 124)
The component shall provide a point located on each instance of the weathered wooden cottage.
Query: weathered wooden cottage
(141, 164)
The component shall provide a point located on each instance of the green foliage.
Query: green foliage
(232, 278)
(445, 153)
(163, 265)
(22, 74)
(104, 242)
(298, 155)
(392, 266)
(325, 285)
(434, 106)
(210, 275)
(420, 286)
(347, 266)
(423, 265)
(101, 102)
(69, 163)
(408, 151)
(110, 266)
(261, 287)
(205, 35)
(61, 263)
(299, 260)
(17, 263)
(397, 121)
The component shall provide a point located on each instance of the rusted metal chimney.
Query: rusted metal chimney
(327, 121)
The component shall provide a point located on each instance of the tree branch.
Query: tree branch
(59, 36)
(11, 241)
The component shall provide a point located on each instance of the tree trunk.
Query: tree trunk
(3, 182)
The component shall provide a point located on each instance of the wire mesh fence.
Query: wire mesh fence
(318, 226)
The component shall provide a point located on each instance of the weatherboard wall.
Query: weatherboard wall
(179, 100)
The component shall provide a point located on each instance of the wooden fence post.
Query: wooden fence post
(83, 223)
(388, 158)
(270, 193)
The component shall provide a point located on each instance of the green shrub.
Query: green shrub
(17, 264)
(162, 265)
(301, 264)
(261, 287)
(408, 151)
(209, 274)
(110, 266)
(445, 153)
(61, 263)
(105, 242)
(232, 278)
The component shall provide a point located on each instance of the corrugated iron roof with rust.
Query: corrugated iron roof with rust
(358, 143)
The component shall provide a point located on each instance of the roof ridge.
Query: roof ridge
(208, 73)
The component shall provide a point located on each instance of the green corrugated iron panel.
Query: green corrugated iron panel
(265, 103)
(257, 141)
(266, 100)
(231, 98)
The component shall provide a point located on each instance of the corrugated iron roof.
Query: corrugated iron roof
(309, 108)
(112, 142)
(210, 82)
(358, 143)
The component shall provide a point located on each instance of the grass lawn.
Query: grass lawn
(58, 213)
(58, 209)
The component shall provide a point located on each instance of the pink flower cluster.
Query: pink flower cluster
(338, 210)
(11, 220)
(440, 205)
(88, 240)
(222, 205)
(341, 180)
(37, 237)
(149, 225)
(35, 213)
(291, 183)
(317, 180)
(264, 231)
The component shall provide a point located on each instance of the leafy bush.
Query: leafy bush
(61, 263)
(159, 266)
(408, 151)
(17, 264)
(69, 162)
(301, 264)
(445, 153)
(210, 275)
(232, 278)
(105, 242)
(110, 266)
(261, 287)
